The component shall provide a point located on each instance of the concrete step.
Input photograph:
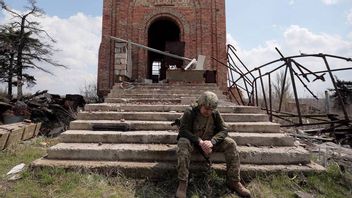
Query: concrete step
(124, 135)
(164, 108)
(167, 152)
(157, 95)
(128, 125)
(169, 137)
(165, 86)
(151, 95)
(164, 116)
(186, 91)
(147, 100)
(158, 170)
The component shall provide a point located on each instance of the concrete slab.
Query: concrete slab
(164, 108)
(160, 152)
(149, 94)
(144, 100)
(168, 86)
(253, 127)
(155, 92)
(158, 170)
(169, 137)
(164, 116)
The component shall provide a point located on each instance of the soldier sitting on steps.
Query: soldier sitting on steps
(202, 126)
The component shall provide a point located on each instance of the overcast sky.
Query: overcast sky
(255, 27)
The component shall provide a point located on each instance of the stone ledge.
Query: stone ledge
(167, 152)
(155, 170)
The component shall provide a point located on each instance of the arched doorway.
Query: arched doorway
(164, 35)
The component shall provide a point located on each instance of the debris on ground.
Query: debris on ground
(15, 173)
(301, 194)
(53, 111)
(16, 169)
(324, 148)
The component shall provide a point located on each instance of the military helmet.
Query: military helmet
(208, 99)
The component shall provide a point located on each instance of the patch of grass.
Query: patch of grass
(23, 152)
(279, 185)
(333, 183)
(53, 182)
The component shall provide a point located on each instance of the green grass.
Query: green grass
(332, 183)
(24, 152)
(53, 182)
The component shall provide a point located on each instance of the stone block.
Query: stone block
(120, 72)
(120, 67)
(121, 56)
(3, 138)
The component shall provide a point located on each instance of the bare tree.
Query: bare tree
(89, 92)
(30, 50)
(281, 88)
(345, 89)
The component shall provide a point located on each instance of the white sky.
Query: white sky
(255, 27)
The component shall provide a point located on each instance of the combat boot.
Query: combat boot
(182, 189)
(239, 188)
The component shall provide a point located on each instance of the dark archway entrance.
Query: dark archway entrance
(164, 35)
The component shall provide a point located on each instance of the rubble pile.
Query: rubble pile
(53, 111)
(325, 148)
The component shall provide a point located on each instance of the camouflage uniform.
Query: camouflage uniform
(191, 132)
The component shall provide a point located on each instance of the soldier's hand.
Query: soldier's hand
(208, 143)
(206, 146)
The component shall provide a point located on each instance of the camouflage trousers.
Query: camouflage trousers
(228, 147)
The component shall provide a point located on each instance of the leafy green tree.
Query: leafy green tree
(7, 58)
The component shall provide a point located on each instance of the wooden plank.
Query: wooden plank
(29, 130)
(37, 129)
(3, 138)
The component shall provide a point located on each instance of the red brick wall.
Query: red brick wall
(202, 24)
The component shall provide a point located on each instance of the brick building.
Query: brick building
(185, 27)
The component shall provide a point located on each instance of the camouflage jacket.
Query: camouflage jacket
(192, 122)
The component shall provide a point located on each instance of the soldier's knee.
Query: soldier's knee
(230, 144)
(184, 146)
(183, 143)
(183, 140)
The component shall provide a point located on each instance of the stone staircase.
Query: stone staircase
(131, 134)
